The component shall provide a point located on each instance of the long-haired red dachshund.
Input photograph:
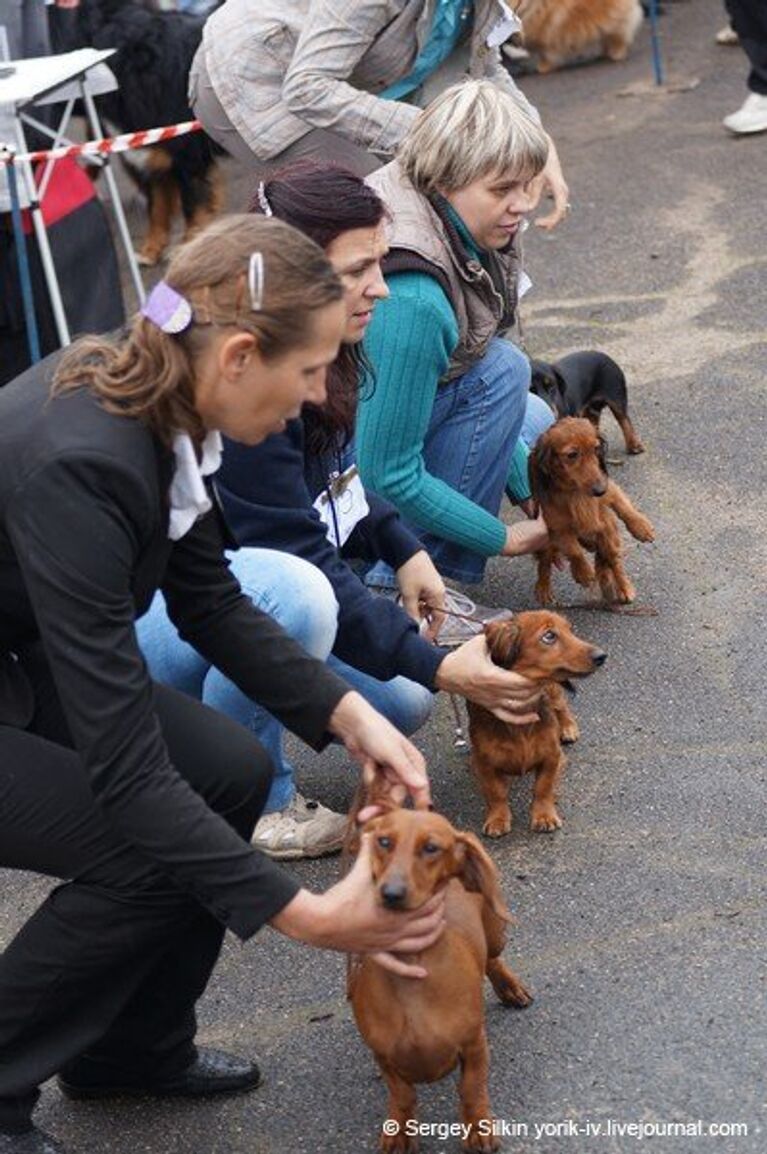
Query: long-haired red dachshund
(581, 506)
(420, 1030)
(541, 646)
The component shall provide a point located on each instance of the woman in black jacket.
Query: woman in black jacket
(140, 798)
(294, 499)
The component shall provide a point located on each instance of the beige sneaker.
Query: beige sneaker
(302, 829)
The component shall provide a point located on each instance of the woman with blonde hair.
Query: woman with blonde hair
(139, 797)
(448, 427)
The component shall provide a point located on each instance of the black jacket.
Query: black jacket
(83, 548)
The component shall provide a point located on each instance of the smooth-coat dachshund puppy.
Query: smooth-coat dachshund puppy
(581, 506)
(582, 385)
(420, 1030)
(541, 646)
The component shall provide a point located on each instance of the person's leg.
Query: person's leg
(300, 597)
(120, 933)
(318, 143)
(749, 19)
(475, 424)
(538, 418)
(293, 592)
(406, 704)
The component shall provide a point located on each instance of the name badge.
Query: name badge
(342, 506)
(507, 24)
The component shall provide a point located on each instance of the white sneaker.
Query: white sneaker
(302, 829)
(750, 117)
(727, 35)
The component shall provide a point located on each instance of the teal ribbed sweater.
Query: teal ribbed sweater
(410, 341)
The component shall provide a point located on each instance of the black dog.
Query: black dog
(151, 65)
(582, 385)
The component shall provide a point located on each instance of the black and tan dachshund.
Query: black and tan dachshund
(582, 385)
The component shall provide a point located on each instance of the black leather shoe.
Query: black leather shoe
(30, 1142)
(212, 1072)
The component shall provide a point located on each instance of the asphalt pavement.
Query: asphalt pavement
(641, 924)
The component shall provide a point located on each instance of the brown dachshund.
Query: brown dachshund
(541, 646)
(581, 506)
(421, 1029)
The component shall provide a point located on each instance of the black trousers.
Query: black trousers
(749, 19)
(109, 968)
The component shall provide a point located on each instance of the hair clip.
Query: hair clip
(167, 309)
(256, 281)
(262, 199)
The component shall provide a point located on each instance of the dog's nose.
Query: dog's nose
(599, 657)
(393, 893)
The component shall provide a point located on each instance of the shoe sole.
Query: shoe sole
(299, 854)
(746, 131)
(92, 1093)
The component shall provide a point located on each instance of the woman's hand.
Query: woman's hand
(525, 537)
(470, 671)
(350, 918)
(391, 765)
(553, 182)
(419, 582)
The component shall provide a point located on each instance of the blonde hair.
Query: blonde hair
(471, 130)
(150, 374)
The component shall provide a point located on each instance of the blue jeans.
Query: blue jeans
(301, 599)
(475, 424)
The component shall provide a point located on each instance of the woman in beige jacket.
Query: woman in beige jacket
(276, 80)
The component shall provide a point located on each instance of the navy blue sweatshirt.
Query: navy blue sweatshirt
(267, 493)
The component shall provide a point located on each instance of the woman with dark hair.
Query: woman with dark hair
(142, 801)
(297, 509)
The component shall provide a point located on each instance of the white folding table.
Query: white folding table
(53, 80)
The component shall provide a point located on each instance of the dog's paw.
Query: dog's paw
(512, 992)
(642, 529)
(399, 1143)
(544, 594)
(625, 592)
(545, 819)
(569, 733)
(498, 825)
(150, 255)
(481, 1138)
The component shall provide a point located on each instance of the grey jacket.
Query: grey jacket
(283, 67)
(422, 238)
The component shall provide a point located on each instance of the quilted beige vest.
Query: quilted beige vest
(423, 238)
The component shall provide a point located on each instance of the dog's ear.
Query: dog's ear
(540, 466)
(602, 454)
(504, 640)
(478, 873)
(560, 388)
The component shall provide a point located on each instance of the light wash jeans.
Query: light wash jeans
(475, 424)
(301, 598)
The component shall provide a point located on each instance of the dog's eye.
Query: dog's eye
(430, 848)
(384, 842)
(572, 455)
(549, 637)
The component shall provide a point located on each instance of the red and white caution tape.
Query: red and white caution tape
(103, 147)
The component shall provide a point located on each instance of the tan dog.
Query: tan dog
(542, 647)
(420, 1030)
(581, 506)
(560, 30)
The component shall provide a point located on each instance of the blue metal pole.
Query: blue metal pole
(22, 259)
(657, 63)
